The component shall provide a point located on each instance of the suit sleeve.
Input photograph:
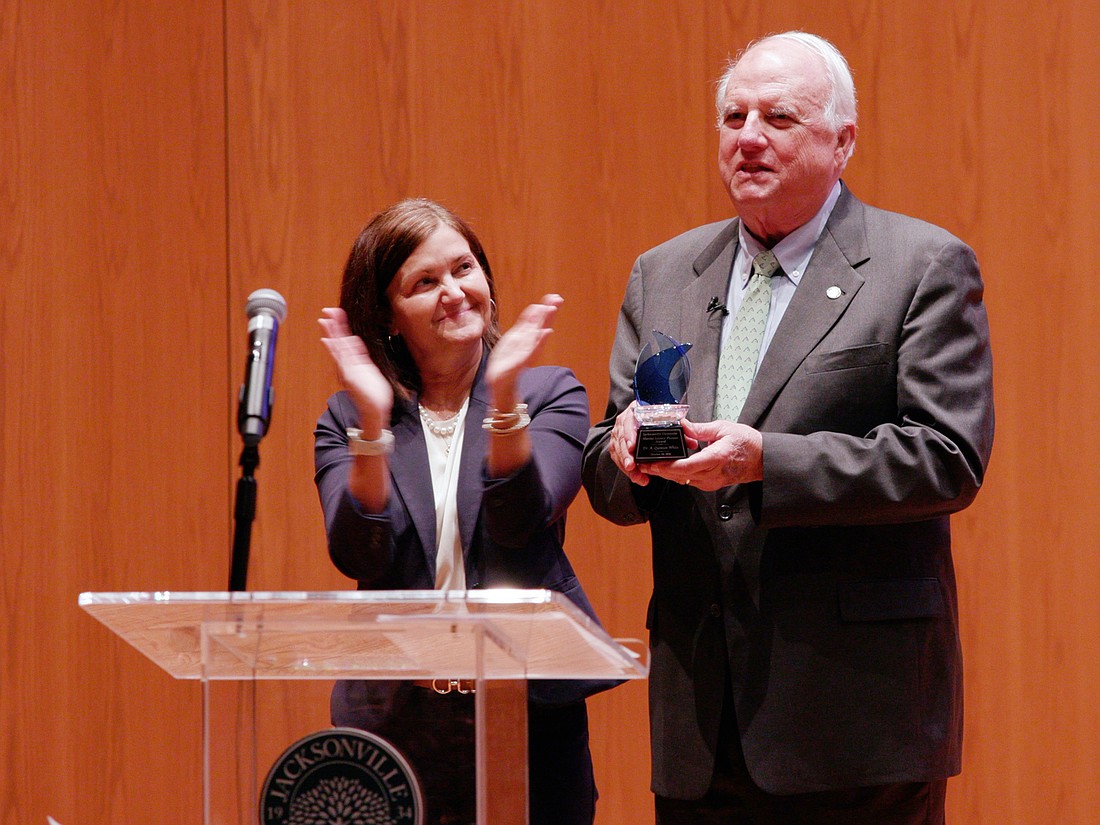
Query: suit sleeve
(929, 461)
(537, 496)
(611, 493)
(360, 544)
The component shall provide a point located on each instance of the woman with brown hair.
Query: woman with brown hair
(449, 463)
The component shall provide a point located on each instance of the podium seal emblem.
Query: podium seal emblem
(341, 775)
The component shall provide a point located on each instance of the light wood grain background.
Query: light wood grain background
(159, 161)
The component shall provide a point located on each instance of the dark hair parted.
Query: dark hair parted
(381, 249)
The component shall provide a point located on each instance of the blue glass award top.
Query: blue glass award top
(662, 373)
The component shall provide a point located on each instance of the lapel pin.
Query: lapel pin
(833, 292)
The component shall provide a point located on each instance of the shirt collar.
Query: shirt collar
(794, 251)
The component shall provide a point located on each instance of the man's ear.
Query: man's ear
(846, 141)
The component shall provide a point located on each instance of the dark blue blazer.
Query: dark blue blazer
(512, 528)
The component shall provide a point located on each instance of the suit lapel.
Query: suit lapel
(816, 305)
(474, 449)
(412, 477)
(701, 328)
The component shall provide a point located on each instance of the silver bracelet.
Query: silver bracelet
(498, 423)
(357, 445)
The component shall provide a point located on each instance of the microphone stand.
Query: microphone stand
(244, 513)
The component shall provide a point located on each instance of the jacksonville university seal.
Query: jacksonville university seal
(341, 776)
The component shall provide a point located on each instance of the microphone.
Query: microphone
(265, 309)
(714, 306)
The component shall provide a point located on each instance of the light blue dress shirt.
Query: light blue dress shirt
(793, 252)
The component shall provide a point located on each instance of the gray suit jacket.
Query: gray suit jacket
(826, 593)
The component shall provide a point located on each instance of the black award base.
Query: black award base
(660, 442)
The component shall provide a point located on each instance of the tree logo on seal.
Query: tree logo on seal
(341, 776)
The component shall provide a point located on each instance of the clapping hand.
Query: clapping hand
(369, 388)
(517, 348)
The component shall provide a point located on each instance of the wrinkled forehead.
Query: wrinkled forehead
(780, 69)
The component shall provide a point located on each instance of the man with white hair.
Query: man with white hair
(803, 625)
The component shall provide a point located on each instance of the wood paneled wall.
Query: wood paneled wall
(159, 161)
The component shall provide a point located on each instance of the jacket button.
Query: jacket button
(725, 512)
(715, 611)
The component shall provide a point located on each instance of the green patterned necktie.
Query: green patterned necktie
(737, 366)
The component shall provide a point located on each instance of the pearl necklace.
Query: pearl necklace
(444, 428)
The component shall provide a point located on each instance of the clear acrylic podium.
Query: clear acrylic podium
(498, 638)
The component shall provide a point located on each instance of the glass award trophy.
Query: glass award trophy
(660, 381)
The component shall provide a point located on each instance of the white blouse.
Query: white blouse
(444, 454)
